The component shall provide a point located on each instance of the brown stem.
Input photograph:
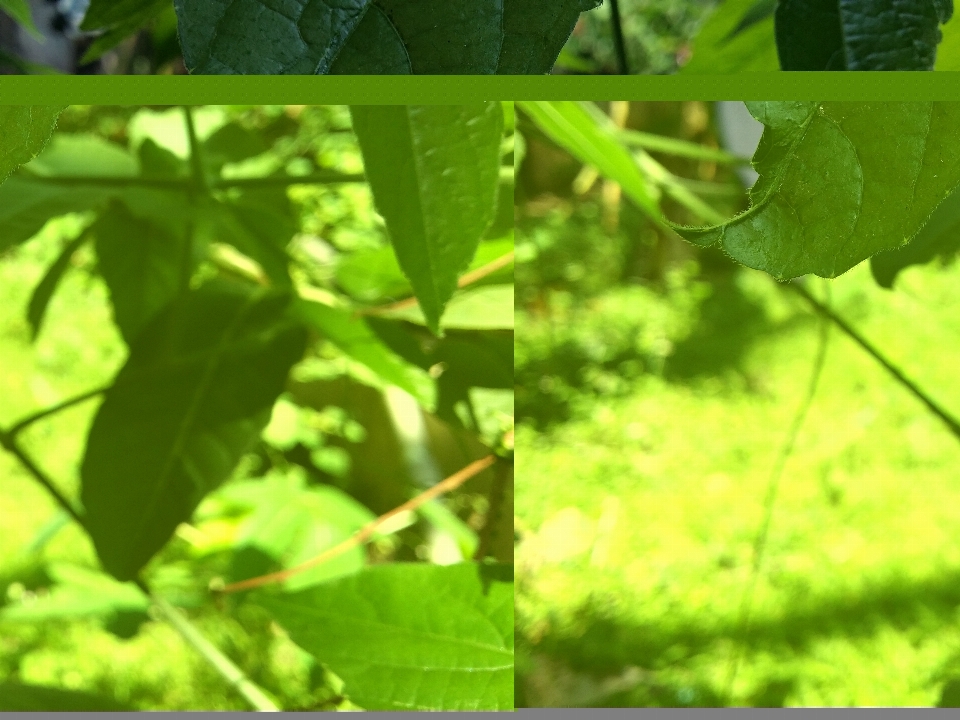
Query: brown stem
(362, 535)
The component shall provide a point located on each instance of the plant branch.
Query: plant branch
(39, 415)
(197, 172)
(622, 66)
(944, 416)
(496, 496)
(323, 177)
(8, 442)
(364, 534)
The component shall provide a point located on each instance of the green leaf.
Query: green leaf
(859, 34)
(260, 224)
(832, 190)
(434, 172)
(141, 263)
(16, 697)
(729, 43)
(940, 237)
(26, 206)
(375, 36)
(42, 294)
(78, 593)
(410, 636)
(117, 19)
(351, 334)
(83, 155)
(577, 129)
(191, 399)
(19, 10)
(24, 130)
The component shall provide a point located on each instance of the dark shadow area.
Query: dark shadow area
(730, 322)
(604, 645)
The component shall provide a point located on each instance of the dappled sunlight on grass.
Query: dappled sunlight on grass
(856, 601)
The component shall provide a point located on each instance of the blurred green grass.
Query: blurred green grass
(639, 498)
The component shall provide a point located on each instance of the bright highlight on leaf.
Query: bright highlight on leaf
(410, 636)
(26, 129)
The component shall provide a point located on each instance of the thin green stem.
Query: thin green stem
(197, 171)
(622, 66)
(495, 497)
(41, 414)
(251, 692)
(322, 177)
(773, 486)
(8, 442)
(914, 389)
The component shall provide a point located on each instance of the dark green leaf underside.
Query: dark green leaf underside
(859, 34)
(375, 36)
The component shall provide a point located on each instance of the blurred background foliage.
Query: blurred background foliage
(693, 36)
(341, 447)
(660, 36)
(655, 386)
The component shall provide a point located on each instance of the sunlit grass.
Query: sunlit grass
(639, 515)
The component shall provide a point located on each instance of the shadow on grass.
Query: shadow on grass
(729, 323)
(599, 355)
(605, 645)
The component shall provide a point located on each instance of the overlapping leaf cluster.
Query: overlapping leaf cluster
(839, 182)
(348, 37)
(218, 293)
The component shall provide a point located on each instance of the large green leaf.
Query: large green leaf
(375, 36)
(142, 264)
(833, 190)
(16, 697)
(411, 636)
(192, 398)
(572, 126)
(859, 34)
(940, 237)
(434, 172)
(24, 130)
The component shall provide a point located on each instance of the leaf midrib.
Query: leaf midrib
(166, 474)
